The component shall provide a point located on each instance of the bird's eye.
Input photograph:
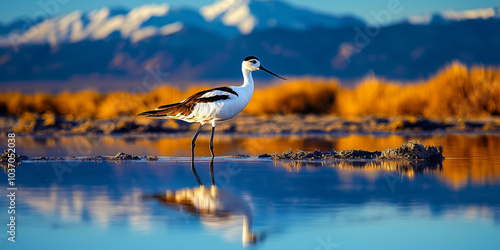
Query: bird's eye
(253, 61)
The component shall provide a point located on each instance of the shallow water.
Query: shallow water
(332, 205)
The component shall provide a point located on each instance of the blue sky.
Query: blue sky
(11, 9)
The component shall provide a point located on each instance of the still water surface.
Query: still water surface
(332, 205)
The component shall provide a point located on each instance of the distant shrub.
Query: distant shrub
(297, 97)
(82, 104)
(455, 91)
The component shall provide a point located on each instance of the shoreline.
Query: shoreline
(410, 151)
(249, 125)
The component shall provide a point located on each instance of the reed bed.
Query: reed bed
(455, 91)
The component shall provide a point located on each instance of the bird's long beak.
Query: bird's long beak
(266, 70)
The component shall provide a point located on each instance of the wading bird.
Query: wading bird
(213, 105)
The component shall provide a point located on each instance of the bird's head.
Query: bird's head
(252, 63)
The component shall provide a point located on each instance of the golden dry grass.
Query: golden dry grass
(297, 97)
(455, 91)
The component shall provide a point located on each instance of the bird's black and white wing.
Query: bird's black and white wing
(186, 107)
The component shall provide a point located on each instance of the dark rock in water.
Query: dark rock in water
(241, 156)
(152, 158)
(421, 123)
(414, 150)
(230, 128)
(411, 151)
(39, 158)
(122, 156)
(357, 154)
(18, 158)
(299, 155)
(93, 158)
(47, 158)
(264, 156)
(125, 125)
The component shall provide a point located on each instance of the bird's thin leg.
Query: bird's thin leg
(195, 174)
(212, 141)
(193, 143)
(212, 152)
(212, 171)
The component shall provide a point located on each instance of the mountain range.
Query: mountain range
(208, 44)
(453, 16)
(227, 18)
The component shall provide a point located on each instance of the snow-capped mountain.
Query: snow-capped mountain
(249, 15)
(225, 17)
(452, 16)
(137, 24)
(96, 25)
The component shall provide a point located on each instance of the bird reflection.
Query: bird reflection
(218, 208)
